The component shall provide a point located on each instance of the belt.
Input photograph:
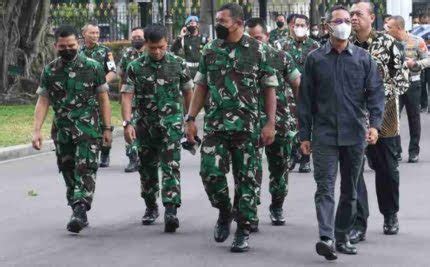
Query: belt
(192, 64)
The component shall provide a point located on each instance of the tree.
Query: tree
(22, 33)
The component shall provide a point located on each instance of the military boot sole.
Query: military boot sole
(277, 222)
(239, 249)
(75, 225)
(171, 225)
(391, 232)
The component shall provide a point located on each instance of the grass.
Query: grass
(16, 123)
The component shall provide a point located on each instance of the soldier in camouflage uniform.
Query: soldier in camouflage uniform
(103, 55)
(130, 54)
(162, 86)
(385, 51)
(281, 31)
(75, 87)
(278, 152)
(189, 44)
(233, 72)
(299, 46)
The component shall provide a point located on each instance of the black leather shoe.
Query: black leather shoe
(151, 214)
(399, 157)
(254, 227)
(325, 248)
(391, 225)
(171, 221)
(305, 167)
(104, 160)
(356, 236)
(276, 215)
(79, 220)
(222, 226)
(413, 158)
(346, 248)
(240, 242)
(133, 165)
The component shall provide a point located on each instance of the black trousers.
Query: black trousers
(425, 87)
(326, 161)
(411, 101)
(383, 156)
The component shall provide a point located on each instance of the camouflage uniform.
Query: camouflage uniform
(299, 50)
(233, 74)
(279, 152)
(72, 90)
(191, 46)
(129, 55)
(158, 120)
(104, 56)
(278, 34)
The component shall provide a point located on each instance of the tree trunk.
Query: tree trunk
(23, 27)
(206, 17)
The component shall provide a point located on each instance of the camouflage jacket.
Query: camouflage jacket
(389, 56)
(128, 56)
(278, 34)
(286, 70)
(235, 74)
(191, 46)
(299, 50)
(157, 87)
(72, 89)
(102, 54)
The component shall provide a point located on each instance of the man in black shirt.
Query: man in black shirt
(340, 80)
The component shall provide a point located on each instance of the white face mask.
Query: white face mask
(300, 31)
(341, 31)
(386, 27)
(315, 33)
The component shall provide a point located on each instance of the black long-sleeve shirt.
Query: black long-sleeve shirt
(335, 93)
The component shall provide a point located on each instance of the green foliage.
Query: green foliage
(16, 123)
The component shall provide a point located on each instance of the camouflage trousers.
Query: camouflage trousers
(132, 150)
(157, 150)
(239, 148)
(277, 155)
(78, 162)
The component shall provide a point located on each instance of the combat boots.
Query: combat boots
(104, 159)
(240, 242)
(79, 220)
(171, 221)
(134, 163)
(222, 226)
(276, 212)
(151, 214)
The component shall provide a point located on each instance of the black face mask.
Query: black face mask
(137, 44)
(191, 29)
(280, 24)
(221, 32)
(68, 54)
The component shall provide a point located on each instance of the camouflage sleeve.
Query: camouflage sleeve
(130, 84)
(399, 79)
(268, 74)
(109, 62)
(186, 81)
(100, 80)
(201, 75)
(42, 90)
(290, 72)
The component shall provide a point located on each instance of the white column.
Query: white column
(402, 8)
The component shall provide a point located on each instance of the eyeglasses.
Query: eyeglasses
(340, 21)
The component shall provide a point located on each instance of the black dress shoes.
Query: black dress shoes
(356, 236)
(391, 225)
(346, 248)
(325, 248)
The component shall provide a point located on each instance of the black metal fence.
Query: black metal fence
(274, 9)
(114, 20)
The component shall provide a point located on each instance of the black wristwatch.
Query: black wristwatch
(189, 118)
(107, 128)
(126, 123)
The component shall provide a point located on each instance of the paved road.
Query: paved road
(32, 228)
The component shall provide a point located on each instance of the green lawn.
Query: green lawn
(16, 123)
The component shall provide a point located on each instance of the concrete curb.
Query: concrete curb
(19, 151)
